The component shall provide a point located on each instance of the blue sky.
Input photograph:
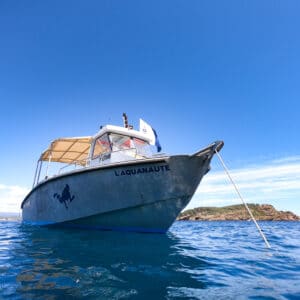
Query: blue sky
(198, 71)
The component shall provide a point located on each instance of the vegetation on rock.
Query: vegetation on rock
(237, 212)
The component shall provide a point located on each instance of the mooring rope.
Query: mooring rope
(238, 192)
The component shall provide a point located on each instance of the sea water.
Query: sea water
(194, 260)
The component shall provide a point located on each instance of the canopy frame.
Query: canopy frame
(73, 150)
(68, 150)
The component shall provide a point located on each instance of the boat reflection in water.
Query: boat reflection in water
(49, 263)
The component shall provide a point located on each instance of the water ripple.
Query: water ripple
(194, 260)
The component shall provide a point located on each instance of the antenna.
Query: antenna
(125, 120)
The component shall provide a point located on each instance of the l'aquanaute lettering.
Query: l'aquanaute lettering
(142, 170)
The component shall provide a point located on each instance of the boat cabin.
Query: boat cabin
(111, 145)
(114, 144)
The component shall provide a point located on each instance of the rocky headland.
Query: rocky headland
(263, 212)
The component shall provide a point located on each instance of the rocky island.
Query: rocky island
(263, 212)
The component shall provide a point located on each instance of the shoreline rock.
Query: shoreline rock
(261, 212)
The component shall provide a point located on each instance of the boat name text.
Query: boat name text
(155, 169)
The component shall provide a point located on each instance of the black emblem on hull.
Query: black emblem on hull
(65, 196)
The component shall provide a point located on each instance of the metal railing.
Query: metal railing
(103, 159)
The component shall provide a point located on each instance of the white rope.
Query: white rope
(249, 211)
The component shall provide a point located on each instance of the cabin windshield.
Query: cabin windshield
(122, 142)
(114, 147)
(142, 147)
(102, 146)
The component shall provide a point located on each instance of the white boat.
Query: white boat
(114, 181)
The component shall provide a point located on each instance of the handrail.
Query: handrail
(86, 162)
(76, 163)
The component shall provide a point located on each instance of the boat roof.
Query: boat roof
(76, 149)
(123, 131)
(68, 150)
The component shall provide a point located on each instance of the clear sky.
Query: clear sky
(197, 71)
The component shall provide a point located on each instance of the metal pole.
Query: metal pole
(239, 194)
(38, 178)
(49, 161)
(36, 170)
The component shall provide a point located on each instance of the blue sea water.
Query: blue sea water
(194, 260)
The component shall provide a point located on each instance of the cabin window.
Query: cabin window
(142, 147)
(102, 146)
(120, 142)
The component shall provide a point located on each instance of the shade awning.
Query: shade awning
(68, 150)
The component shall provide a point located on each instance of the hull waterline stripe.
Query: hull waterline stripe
(96, 227)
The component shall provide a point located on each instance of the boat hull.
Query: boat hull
(145, 195)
